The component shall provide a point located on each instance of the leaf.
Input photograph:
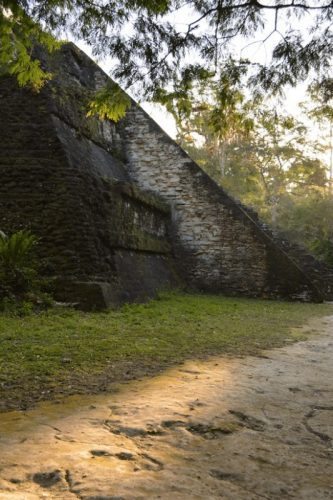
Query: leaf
(110, 103)
(18, 34)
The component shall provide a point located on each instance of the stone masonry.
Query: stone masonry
(120, 209)
(221, 245)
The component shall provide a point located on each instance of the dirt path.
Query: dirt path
(237, 429)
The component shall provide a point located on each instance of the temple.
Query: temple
(121, 211)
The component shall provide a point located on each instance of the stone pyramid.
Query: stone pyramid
(121, 210)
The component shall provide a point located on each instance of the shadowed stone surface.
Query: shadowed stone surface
(238, 429)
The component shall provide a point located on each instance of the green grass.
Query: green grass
(63, 351)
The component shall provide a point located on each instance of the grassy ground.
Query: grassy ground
(65, 351)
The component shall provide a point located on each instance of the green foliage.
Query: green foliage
(15, 250)
(307, 220)
(143, 337)
(18, 34)
(320, 110)
(17, 272)
(110, 102)
(151, 48)
(20, 283)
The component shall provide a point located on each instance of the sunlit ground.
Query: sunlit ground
(245, 428)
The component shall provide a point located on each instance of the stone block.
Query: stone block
(86, 295)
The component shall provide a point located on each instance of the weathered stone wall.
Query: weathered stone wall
(218, 246)
(65, 186)
(75, 79)
(70, 179)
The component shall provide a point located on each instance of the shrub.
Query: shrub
(19, 278)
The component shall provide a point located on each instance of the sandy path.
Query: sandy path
(248, 428)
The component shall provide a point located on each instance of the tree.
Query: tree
(151, 49)
(212, 110)
(320, 110)
(264, 158)
(243, 142)
(307, 220)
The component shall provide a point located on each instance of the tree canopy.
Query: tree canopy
(155, 41)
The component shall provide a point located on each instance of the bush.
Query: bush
(20, 282)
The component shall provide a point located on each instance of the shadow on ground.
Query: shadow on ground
(251, 428)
